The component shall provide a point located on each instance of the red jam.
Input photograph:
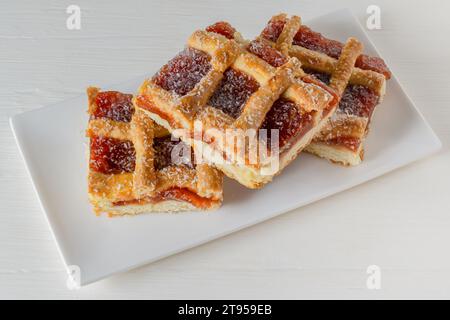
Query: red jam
(264, 51)
(233, 91)
(183, 72)
(114, 105)
(110, 156)
(373, 63)
(309, 39)
(286, 117)
(359, 101)
(350, 143)
(182, 194)
(146, 103)
(223, 28)
(164, 147)
(312, 40)
(273, 30)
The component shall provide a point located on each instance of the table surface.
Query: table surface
(399, 222)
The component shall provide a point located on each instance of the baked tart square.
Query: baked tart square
(341, 140)
(136, 166)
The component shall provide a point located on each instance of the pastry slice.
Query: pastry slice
(342, 138)
(136, 166)
(244, 106)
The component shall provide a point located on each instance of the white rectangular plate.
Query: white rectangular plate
(54, 147)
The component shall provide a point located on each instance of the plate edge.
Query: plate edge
(42, 206)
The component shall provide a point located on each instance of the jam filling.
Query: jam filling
(233, 91)
(357, 100)
(111, 156)
(309, 39)
(315, 41)
(373, 63)
(322, 84)
(114, 105)
(223, 28)
(183, 72)
(286, 117)
(350, 143)
(267, 53)
(165, 155)
(185, 195)
(182, 194)
(145, 103)
(273, 30)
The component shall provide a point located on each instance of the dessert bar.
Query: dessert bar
(137, 166)
(341, 139)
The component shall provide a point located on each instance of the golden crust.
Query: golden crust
(125, 193)
(284, 41)
(344, 66)
(109, 128)
(144, 176)
(336, 153)
(321, 62)
(111, 187)
(259, 103)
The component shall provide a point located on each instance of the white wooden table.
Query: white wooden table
(400, 222)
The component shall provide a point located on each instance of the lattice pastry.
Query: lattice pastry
(227, 84)
(135, 166)
(341, 140)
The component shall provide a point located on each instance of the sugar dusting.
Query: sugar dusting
(233, 91)
(264, 51)
(184, 71)
(286, 117)
(114, 105)
(273, 29)
(110, 156)
(169, 152)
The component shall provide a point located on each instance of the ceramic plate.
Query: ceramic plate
(54, 147)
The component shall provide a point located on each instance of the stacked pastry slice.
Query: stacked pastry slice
(131, 164)
(341, 140)
(221, 92)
